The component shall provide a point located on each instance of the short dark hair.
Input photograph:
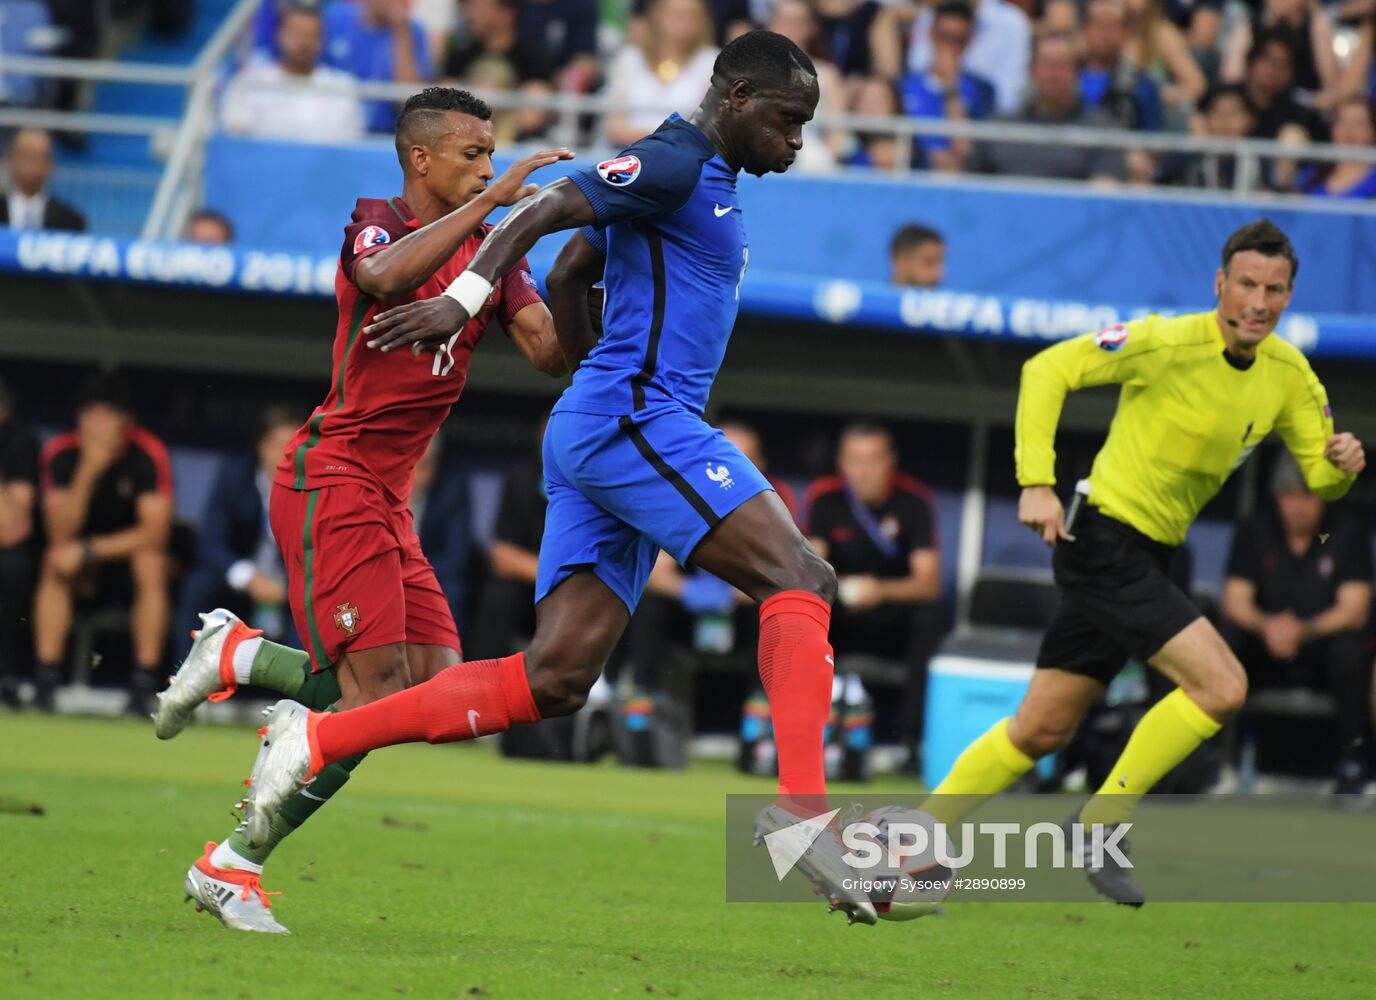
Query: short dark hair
(867, 428)
(107, 389)
(954, 8)
(912, 236)
(765, 58)
(420, 110)
(1263, 237)
(210, 215)
(1263, 38)
(1221, 90)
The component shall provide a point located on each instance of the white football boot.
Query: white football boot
(283, 767)
(207, 673)
(820, 861)
(236, 898)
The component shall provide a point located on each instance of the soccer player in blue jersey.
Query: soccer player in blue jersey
(630, 465)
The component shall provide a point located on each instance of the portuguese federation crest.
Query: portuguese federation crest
(346, 617)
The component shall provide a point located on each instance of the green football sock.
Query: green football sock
(281, 668)
(297, 809)
(300, 807)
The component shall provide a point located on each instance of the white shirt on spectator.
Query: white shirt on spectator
(634, 88)
(26, 212)
(265, 100)
(1000, 51)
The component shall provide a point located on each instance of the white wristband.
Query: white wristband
(470, 290)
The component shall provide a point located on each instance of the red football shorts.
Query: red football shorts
(356, 575)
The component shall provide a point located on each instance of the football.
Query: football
(925, 881)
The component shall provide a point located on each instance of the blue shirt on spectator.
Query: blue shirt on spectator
(1314, 181)
(366, 52)
(923, 96)
(1146, 114)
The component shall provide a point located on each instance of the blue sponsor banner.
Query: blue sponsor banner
(1003, 238)
(839, 301)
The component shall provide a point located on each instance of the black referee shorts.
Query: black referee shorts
(1117, 601)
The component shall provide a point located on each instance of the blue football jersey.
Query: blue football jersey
(676, 255)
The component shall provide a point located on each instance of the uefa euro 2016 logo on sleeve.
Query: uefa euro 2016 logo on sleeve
(1113, 338)
(370, 236)
(620, 171)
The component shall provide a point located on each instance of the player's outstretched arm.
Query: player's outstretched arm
(415, 258)
(559, 206)
(575, 304)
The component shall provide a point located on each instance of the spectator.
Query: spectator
(238, 565)
(438, 18)
(440, 511)
(567, 30)
(489, 33)
(1225, 113)
(26, 30)
(377, 40)
(209, 227)
(917, 257)
(877, 527)
(998, 51)
(1054, 100)
(1108, 79)
(845, 26)
(1198, 21)
(668, 71)
(18, 542)
(1269, 80)
(294, 97)
(1309, 30)
(107, 506)
(28, 204)
(729, 19)
(1156, 47)
(1297, 597)
(1354, 124)
(946, 90)
(797, 21)
(506, 607)
(876, 96)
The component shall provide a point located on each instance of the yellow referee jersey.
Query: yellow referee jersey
(1186, 417)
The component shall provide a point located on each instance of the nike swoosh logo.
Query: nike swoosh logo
(718, 211)
(830, 660)
(473, 718)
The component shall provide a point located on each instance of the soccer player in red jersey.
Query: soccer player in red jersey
(362, 594)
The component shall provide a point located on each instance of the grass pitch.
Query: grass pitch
(448, 872)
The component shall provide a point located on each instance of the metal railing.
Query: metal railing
(572, 119)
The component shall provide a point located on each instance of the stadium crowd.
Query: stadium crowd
(1296, 71)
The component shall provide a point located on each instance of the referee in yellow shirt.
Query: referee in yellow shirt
(1199, 393)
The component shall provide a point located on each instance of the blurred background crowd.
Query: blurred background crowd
(1296, 71)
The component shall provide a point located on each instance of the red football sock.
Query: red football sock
(461, 703)
(796, 669)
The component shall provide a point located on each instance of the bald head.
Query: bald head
(30, 161)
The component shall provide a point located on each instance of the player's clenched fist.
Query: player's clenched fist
(422, 323)
(511, 187)
(1345, 451)
(1040, 509)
